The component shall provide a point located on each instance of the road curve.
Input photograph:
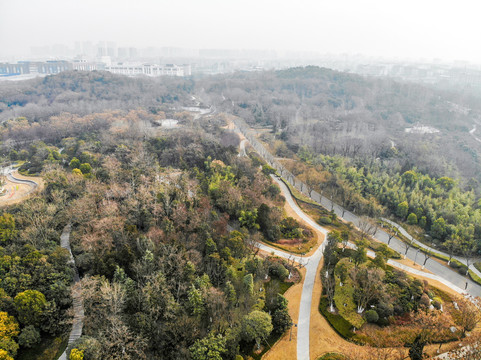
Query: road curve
(14, 179)
(444, 274)
(396, 244)
(311, 264)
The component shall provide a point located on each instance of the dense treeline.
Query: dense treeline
(34, 275)
(165, 222)
(164, 228)
(344, 114)
(438, 206)
(84, 93)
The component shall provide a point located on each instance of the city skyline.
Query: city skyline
(444, 30)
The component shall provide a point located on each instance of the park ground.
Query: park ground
(16, 193)
(323, 338)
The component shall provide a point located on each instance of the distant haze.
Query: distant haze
(447, 30)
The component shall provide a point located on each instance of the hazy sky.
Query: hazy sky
(409, 28)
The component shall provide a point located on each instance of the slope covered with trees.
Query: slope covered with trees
(343, 114)
(164, 226)
(346, 138)
(165, 221)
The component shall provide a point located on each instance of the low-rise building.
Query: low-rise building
(149, 69)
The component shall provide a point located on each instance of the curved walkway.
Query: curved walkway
(396, 244)
(78, 308)
(14, 179)
(16, 188)
(311, 264)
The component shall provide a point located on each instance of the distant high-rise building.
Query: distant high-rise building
(123, 53)
(78, 48)
(111, 49)
(88, 49)
(133, 53)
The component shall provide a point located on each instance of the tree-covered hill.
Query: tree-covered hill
(336, 113)
(83, 93)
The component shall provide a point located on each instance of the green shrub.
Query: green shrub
(390, 253)
(455, 264)
(474, 277)
(412, 219)
(278, 270)
(477, 266)
(29, 337)
(437, 303)
(444, 296)
(371, 316)
(339, 324)
(324, 220)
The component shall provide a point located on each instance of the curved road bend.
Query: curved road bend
(33, 185)
(403, 231)
(311, 264)
(443, 271)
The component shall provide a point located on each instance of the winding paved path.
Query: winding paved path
(396, 244)
(14, 194)
(77, 324)
(403, 231)
(311, 263)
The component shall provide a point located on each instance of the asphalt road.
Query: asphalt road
(443, 271)
(440, 272)
(311, 265)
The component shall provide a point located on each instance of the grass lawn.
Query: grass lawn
(338, 323)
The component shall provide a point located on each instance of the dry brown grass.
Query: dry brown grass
(323, 338)
(285, 348)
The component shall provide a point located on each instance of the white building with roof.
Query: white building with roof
(132, 69)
